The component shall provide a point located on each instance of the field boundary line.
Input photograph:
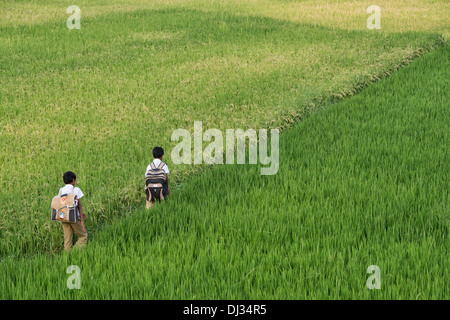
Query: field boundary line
(321, 102)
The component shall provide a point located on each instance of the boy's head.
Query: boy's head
(158, 152)
(69, 177)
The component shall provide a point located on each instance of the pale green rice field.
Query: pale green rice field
(363, 180)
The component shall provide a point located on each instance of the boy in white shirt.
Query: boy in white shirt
(158, 154)
(70, 180)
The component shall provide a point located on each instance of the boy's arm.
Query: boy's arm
(80, 207)
(82, 215)
(167, 181)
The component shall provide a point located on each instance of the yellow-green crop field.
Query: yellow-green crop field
(363, 177)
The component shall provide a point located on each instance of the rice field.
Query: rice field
(361, 182)
(364, 182)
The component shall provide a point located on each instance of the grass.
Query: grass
(397, 16)
(364, 182)
(96, 100)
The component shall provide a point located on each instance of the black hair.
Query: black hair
(68, 177)
(158, 152)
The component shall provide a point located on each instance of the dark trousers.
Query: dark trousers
(165, 192)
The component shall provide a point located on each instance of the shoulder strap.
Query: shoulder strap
(161, 165)
(152, 165)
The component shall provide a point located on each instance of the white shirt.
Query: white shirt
(157, 162)
(68, 189)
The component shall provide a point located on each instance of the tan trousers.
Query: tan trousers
(68, 229)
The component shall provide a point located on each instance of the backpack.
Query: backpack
(64, 208)
(154, 179)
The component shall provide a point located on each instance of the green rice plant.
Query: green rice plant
(364, 182)
(96, 100)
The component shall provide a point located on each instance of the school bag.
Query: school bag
(64, 208)
(154, 179)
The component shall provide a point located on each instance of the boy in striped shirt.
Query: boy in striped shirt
(157, 173)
